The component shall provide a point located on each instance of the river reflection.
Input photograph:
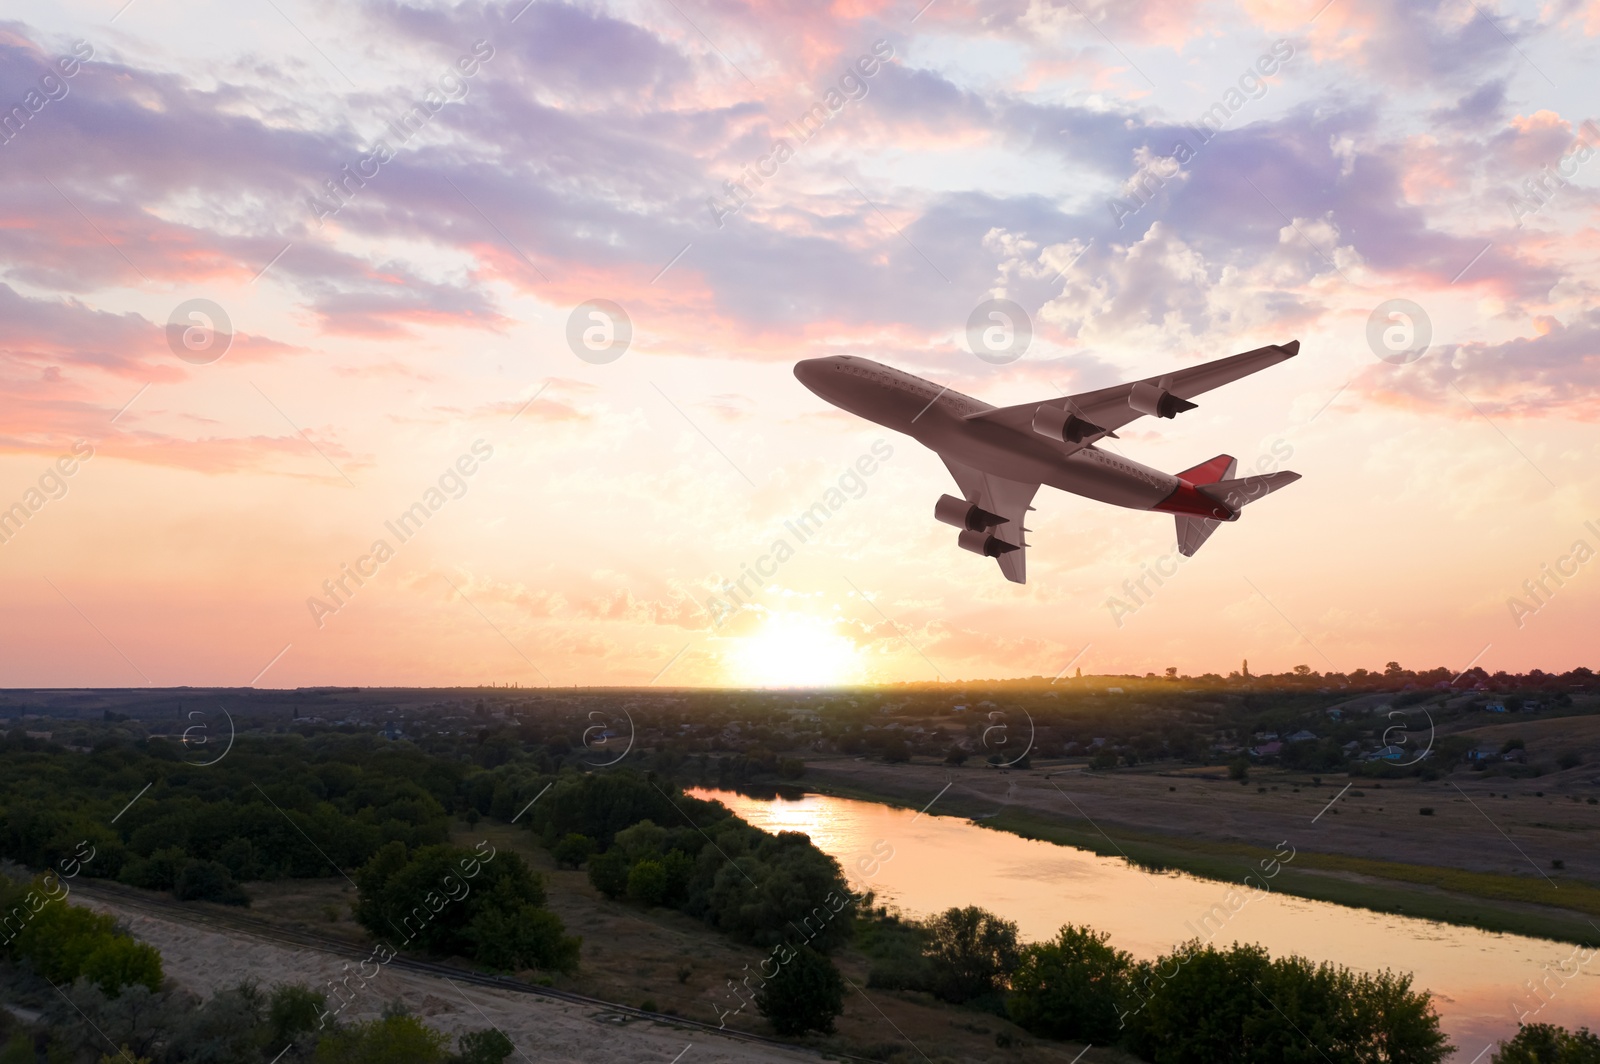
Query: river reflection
(924, 863)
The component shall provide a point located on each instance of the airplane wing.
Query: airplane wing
(1010, 499)
(1108, 409)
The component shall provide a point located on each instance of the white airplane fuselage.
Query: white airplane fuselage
(937, 418)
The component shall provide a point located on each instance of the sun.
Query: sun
(793, 650)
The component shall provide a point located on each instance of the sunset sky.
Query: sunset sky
(401, 299)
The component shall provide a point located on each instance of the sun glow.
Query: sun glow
(793, 650)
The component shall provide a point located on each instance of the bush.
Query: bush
(391, 1040)
(971, 953)
(573, 850)
(447, 901)
(1071, 987)
(805, 994)
(484, 1047)
(1239, 769)
(118, 961)
(1543, 1043)
(292, 1010)
(63, 942)
(528, 937)
(609, 873)
(647, 882)
(896, 949)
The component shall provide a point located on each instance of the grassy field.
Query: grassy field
(1568, 911)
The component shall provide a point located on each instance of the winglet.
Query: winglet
(1293, 347)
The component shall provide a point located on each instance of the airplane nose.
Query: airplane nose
(808, 371)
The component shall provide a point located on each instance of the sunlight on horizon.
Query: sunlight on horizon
(793, 650)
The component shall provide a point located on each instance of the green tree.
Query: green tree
(573, 850)
(528, 937)
(117, 961)
(427, 899)
(63, 942)
(609, 873)
(804, 994)
(1071, 987)
(1543, 1043)
(647, 882)
(972, 953)
(390, 1040)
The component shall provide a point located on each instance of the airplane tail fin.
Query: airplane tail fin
(1219, 468)
(1235, 494)
(1192, 532)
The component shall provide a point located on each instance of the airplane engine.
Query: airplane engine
(984, 544)
(1057, 424)
(1148, 398)
(964, 515)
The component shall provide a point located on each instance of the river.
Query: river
(924, 863)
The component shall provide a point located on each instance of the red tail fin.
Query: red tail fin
(1219, 468)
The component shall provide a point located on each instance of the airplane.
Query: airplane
(1001, 456)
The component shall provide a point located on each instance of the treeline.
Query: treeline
(298, 807)
(284, 807)
(1195, 1005)
(1543, 1043)
(155, 821)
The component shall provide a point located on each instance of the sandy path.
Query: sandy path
(205, 960)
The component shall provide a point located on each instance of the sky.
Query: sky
(275, 274)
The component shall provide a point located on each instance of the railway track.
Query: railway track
(352, 949)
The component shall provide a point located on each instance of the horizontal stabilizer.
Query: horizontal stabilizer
(1236, 494)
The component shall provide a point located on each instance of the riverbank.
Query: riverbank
(1200, 831)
